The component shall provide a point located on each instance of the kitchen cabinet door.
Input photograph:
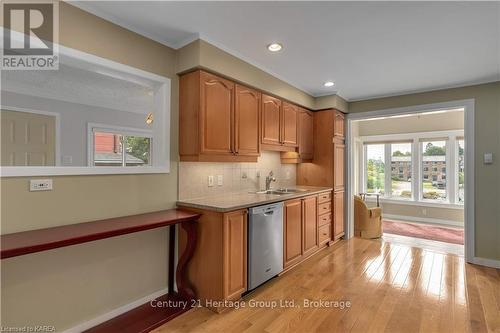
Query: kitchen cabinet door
(306, 135)
(338, 211)
(289, 125)
(310, 225)
(292, 232)
(216, 114)
(235, 254)
(246, 121)
(338, 165)
(339, 124)
(271, 113)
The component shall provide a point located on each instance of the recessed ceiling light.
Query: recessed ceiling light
(274, 47)
(329, 84)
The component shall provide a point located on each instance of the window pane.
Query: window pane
(461, 171)
(108, 149)
(401, 170)
(375, 175)
(434, 170)
(138, 151)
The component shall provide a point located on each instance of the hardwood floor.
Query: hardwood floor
(391, 287)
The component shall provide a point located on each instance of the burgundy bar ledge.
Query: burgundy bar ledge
(145, 317)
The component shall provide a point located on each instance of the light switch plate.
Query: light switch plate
(40, 185)
(488, 158)
(210, 181)
(219, 180)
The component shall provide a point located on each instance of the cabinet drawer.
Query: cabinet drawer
(325, 233)
(325, 207)
(325, 197)
(324, 219)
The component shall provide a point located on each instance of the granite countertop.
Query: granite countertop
(234, 201)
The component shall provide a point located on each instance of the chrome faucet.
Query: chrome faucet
(269, 179)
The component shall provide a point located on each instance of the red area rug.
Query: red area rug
(442, 234)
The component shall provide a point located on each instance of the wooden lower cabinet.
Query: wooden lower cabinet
(310, 225)
(302, 229)
(218, 268)
(235, 254)
(292, 228)
(338, 211)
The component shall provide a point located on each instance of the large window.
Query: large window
(401, 167)
(415, 167)
(375, 168)
(434, 170)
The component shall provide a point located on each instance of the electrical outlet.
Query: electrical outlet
(244, 175)
(219, 180)
(424, 211)
(40, 185)
(210, 181)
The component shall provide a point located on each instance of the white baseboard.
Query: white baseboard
(486, 262)
(116, 312)
(404, 218)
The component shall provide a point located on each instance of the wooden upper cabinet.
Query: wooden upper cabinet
(246, 121)
(218, 121)
(339, 124)
(216, 114)
(235, 254)
(289, 125)
(271, 120)
(292, 232)
(310, 241)
(306, 134)
(338, 165)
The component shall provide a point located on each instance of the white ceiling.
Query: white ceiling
(369, 49)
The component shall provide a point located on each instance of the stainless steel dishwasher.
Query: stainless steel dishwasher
(265, 243)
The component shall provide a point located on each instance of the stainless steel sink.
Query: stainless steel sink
(268, 192)
(280, 191)
(285, 190)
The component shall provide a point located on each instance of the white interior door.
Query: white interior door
(28, 139)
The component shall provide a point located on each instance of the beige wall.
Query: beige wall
(67, 286)
(331, 101)
(487, 139)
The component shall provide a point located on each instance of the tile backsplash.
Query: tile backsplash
(236, 177)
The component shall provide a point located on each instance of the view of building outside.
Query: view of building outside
(109, 147)
(461, 170)
(375, 168)
(401, 170)
(434, 170)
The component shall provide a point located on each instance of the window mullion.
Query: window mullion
(124, 149)
(416, 160)
(387, 171)
(451, 158)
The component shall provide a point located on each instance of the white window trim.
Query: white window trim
(417, 167)
(125, 131)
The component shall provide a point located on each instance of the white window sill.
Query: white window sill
(416, 203)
